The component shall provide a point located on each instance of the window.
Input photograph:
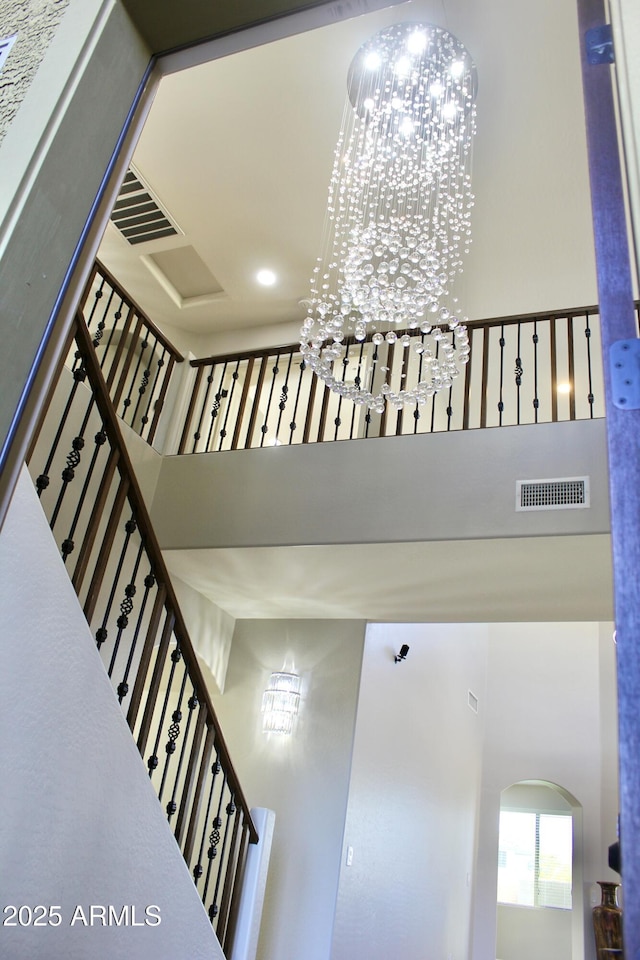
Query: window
(534, 859)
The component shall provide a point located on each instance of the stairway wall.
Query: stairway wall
(81, 825)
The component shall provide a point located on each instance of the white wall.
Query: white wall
(210, 629)
(258, 494)
(427, 774)
(80, 823)
(413, 796)
(304, 778)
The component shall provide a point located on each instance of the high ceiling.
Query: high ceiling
(239, 150)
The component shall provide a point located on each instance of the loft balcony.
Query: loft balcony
(528, 369)
(254, 498)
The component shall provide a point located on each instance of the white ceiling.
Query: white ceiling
(462, 581)
(239, 151)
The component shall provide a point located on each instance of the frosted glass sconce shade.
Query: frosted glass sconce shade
(280, 703)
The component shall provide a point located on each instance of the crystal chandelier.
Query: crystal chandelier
(398, 220)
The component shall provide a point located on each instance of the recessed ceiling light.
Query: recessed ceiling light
(266, 277)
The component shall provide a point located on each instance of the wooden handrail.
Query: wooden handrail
(350, 341)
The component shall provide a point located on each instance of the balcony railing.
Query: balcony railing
(89, 492)
(536, 368)
(528, 369)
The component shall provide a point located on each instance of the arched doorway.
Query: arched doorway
(539, 896)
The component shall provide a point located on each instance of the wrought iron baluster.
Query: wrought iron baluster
(68, 544)
(553, 360)
(485, 377)
(159, 403)
(102, 323)
(372, 377)
(230, 810)
(467, 382)
(242, 406)
(102, 633)
(153, 760)
(192, 705)
(126, 403)
(284, 395)
(43, 479)
(536, 400)
(265, 425)
(501, 392)
(256, 404)
(114, 326)
(433, 399)
(572, 371)
(587, 334)
(160, 362)
(214, 841)
(218, 396)
(197, 434)
(149, 584)
(449, 410)
(337, 420)
(98, 295)
(518, 375)
(144, 382)
(198, 869)
(72, 463)
(293, 425)
(358, 382)
(174, 730)
(234, 379)
(416, 412)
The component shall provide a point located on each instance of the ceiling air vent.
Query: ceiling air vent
(472, 700)
(557, 494)
(138, 215)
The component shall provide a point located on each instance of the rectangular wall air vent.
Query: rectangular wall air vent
(557, 494)
(138, 215)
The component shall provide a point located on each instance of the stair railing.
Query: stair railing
(136, 359)
(96, 511)
(524, 369)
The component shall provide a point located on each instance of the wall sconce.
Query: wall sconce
(404, 650)
(280, 703)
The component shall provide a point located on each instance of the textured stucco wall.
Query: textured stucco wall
(35, 23)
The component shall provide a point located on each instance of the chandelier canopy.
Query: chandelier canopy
(398, 217)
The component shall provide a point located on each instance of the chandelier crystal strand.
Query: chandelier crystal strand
(398, 215)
